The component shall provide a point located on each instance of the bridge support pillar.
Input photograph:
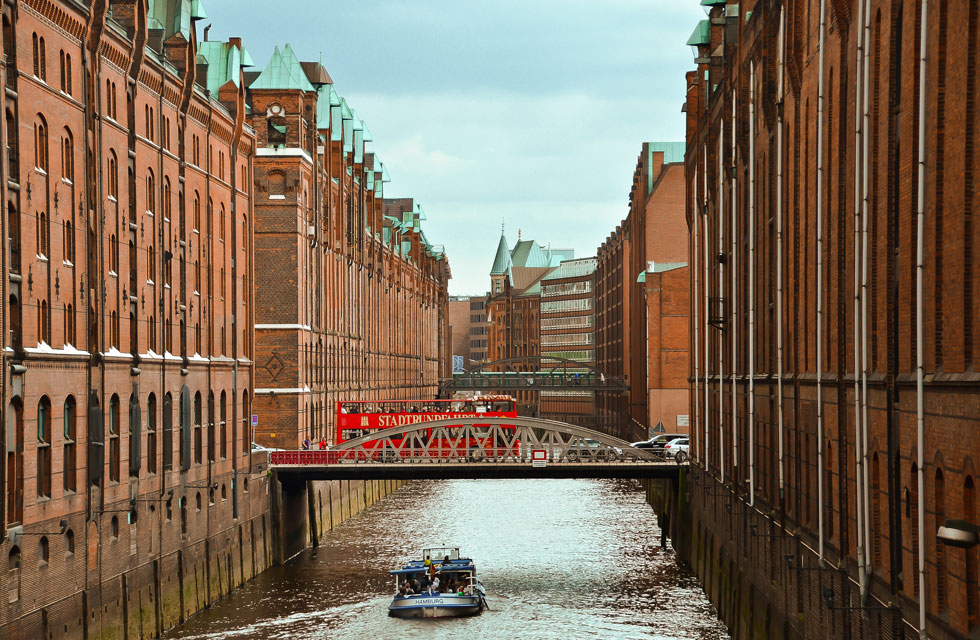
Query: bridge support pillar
(290, 517)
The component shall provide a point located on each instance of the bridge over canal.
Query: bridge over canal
(475, 448)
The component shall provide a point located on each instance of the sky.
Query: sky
(525, 113)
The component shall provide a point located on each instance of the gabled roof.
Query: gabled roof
(573, 269)
(501, 261)
(284, 71)
(174, 16)
(701, 35)
(528, 253)
(225, 62)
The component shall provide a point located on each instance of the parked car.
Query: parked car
(677, 449)
(657, 443)
(588, 449)
(257, 447)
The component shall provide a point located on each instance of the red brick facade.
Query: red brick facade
(638, 334)
(143, 248)
(803, 189)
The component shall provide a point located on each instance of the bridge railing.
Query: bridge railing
(473, 455)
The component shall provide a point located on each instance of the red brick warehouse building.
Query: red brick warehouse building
(133, 193)
(830, 196)
(127, 377)
(642, 299)
(358, 309)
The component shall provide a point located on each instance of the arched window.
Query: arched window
(115, 462)
(61, 67)
(13, 574)
(246, 423)
(198, 444)
(221, 223)
(197, 212)
(940, 506)
(36, 49)
(113, 254)
(42, 234)
(211, 427)
(69, 419)
(68, 157)
(68, 74)
(108, 99)
(44, 322)
(135, 434)
(151, 194)
(166, 197)
(44, 448)
(12, 145)
(43, 552)
(112, 177)
(151, 434)
(151, 333)
(41, 143)
(223, 424)
(42, 60)
(69, 247)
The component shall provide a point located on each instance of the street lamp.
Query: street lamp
(959, 533)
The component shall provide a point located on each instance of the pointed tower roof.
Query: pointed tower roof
(501, 262)
(284, 71)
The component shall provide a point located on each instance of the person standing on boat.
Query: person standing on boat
(434, 585)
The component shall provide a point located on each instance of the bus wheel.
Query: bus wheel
(477, 455)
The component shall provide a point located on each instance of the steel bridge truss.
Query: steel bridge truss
(477, 441)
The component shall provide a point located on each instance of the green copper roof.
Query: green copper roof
(527, 253)
(701, 35)
(642, 277)
(174, 16)
(573, 269)
(323, 106)
(283, 72)
(673, 152)
(501, 261)
(712, 3)
(224, 63)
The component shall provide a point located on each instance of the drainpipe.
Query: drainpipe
(819, 248)
(704, 227)
(694, 300)
(721, 296)
(779, 250)
(864, 286)
(858, 449)
(751, 283)
(734, 328)
(920, 224)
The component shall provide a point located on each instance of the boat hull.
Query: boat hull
(435, 606)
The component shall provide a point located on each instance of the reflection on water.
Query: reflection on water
(562, 559)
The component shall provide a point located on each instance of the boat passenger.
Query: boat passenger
(406, 588)
(416, 587)
(434, 585)
(424, 584)
(428, 561)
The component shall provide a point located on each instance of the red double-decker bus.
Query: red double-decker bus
(357, 418)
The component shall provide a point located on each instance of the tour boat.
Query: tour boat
(467, 598)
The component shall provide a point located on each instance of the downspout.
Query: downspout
(704, 228)
(751, 283)
(694, 301)
(734, 272)
(920, 225)
(779, 251)
(721, 296)
(858, 449)
(864, 286)
(819, 248)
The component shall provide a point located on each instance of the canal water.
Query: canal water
(561, 559)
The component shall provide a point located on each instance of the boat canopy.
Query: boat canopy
(455, 566)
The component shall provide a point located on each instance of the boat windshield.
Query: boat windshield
(437, 554)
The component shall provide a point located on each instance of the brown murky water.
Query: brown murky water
(561, 559)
